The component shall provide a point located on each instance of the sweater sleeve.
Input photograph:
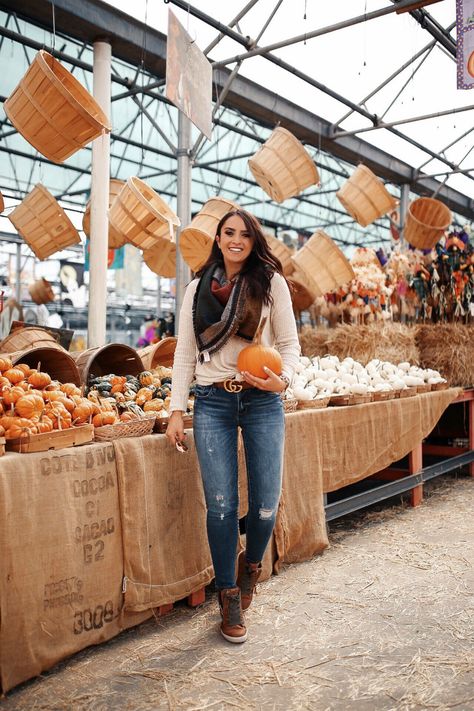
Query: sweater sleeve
(185, 354)
(284, 325)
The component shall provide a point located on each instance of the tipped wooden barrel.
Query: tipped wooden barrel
(323, 263)
(426, 221)
(161, 353)
(53, 111)
(139, 213)
(116, 358)
(41, 291)
(55, 361)
(116, 238)
(27, 337)
(282, 166)
(43, 224)
(161, 258)
(365, 197)
(281, 252)
(302, 292)
(195, 240)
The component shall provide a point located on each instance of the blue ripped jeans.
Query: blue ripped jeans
(217, 416)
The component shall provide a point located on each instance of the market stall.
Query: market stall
(93, 537)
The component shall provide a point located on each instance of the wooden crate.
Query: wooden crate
(58, 439)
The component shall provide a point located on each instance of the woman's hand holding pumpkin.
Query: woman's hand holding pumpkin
(273, 383)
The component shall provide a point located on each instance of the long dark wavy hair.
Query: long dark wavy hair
(259, 265)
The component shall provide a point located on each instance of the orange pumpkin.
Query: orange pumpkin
(4, 381)
(39, 380)
(29, 406)
(117, 388)
(154, 405)
(16, 432)
(25, 368)
(103, 418)
(118, 380)
(11, 395)
(255, 357)
(5, 364)
(83, 411)
(70, 389)
(7, 421)
(2, 431)
(44, 426)
(14, 375)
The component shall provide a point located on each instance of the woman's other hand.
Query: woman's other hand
(175, 430)
(273, 383)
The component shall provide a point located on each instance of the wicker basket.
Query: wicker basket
(132, 428)
(365, 197)
(440, 386)
(43, 224)
(53, 111)
(161, 423)
(161, 258)
(361, 399)
(116, 238)
(41, 291)
(282, 166)
(141, 215)
(26, 337)
(281, 252)
(290, 405)
(161, 353)
(383, 395)
(425, 388)
(405, 392)
(323, 263)
(340, 400)
(114, 358)
(316, 404)
(426, 221)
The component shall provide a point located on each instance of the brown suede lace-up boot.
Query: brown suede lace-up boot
(247, 578)
(232, 626)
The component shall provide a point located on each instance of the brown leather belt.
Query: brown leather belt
(233, 386)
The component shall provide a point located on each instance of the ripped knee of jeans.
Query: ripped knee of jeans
(265, 514)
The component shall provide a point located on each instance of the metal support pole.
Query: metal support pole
(183, 274)
(18, 273)
(97, 316)
(405, 191)
(158, 297)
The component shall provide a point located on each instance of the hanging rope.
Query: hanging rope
(54, 28)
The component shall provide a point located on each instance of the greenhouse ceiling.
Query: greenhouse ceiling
(372, 85)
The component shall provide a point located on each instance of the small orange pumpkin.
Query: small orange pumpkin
(39, 380)
(11, 395)
(83, 411)
(29, 406)
(5, 364)
(70, 389)
(14, 375)
(17, 432)
(25, 368)
(255, 357)
(103, 418)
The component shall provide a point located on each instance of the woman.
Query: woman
(240, 284)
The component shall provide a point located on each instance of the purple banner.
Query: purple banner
(465, 43)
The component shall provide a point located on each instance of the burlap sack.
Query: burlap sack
(61, 557)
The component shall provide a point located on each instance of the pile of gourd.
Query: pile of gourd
(327, 376)
(134, 396)
(32, 403)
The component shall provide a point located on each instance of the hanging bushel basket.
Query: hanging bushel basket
(161, 258)
(55, 361)
(426, 221)
(41, 292)
(161, 353)
(141, 215)
(43, 224)
(116, 238)
(22, 339)
(282, 166)
(365, 197)
(281, 252)
(195, 240)
(116, 358)
(2, 204)
(53, 111)
(303, 293)
(323, 263)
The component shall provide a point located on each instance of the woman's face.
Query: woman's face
(235, 243)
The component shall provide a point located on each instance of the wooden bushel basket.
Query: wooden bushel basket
(365, 197)
(302, 290)
(2, 204)
(282, 166)
(281, 252)
(161, 353)
(161, 258)
(43, 224)
(323, 263)
(141, 215)
(54, 360)
(116, 358)
(41, 291)
(22, 339)
(116, 238)
(426, 221)
(195, 240)
(53, 111)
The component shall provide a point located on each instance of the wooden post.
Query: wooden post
(415, 464)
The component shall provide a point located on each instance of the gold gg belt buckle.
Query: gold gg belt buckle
(231, 386)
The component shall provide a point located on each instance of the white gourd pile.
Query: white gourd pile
(326, 376)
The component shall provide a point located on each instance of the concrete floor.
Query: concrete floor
(383, 620)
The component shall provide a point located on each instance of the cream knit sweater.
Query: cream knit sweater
(280, 332)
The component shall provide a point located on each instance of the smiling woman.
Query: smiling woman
(240, 295)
